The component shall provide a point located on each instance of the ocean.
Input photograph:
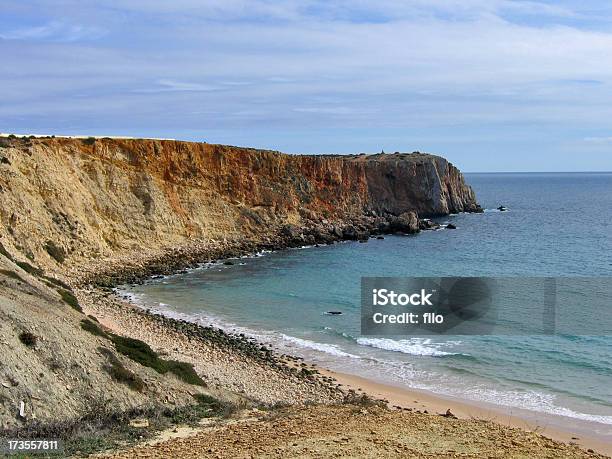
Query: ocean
(558, 224)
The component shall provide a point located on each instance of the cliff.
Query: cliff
(77, 211)
(65, 201)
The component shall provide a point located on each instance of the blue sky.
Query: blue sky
(493, 85)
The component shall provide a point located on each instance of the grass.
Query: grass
(56, 252)
(11, 274)
(121, 374)
(101, 430)
(70, 299)
(141, 352)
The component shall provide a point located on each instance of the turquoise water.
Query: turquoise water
(558, 225)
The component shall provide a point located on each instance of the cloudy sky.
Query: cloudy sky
(494, 85)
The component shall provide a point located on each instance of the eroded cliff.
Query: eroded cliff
(67, 201)
(77, 211)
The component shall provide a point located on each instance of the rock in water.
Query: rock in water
(427, 224)
(406, 222)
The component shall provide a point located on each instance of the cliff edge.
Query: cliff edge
(65, 202)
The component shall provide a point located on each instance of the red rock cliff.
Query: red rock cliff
(101, 197)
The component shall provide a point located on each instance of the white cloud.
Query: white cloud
(289, 64)
(177, 86)
(54, 31)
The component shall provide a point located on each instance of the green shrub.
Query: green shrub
(70, 299)
(56, 252)
(93, 328)
(185, 372)
(27, 338)
(121, 374)
(211, 403)
(141, 352)
(102, 429)
(28, 268)
(10, 273)
(206, 407)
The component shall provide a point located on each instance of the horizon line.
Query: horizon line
(538, 172)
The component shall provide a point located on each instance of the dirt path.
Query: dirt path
(352, 431)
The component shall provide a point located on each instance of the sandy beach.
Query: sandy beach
(261, 382)
(421, 401)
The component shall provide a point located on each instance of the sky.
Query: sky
(493, 85)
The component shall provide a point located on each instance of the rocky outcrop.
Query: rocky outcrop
(67, 201)
(426, 184)
(74, 212)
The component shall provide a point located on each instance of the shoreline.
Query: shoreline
(551, 425)
(435, 404)
(177, 261)
(408, 399)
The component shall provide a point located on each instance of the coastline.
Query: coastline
(124, 211)
(557, 427)
(124, 317)
(430, 403)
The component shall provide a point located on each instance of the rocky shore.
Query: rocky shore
(71, 203)
(135, 269)
(226, 362)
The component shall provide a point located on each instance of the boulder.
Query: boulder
(337, 232)
(292, 233)
(427, 224)
(407, 222)
(349, 233)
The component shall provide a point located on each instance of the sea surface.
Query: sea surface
(558, 224)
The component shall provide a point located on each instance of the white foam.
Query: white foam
(528, 400)
(413, 346)
(398, 372)
(331, 349)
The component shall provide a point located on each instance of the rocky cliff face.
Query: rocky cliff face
(79, 211)
(71, 199)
